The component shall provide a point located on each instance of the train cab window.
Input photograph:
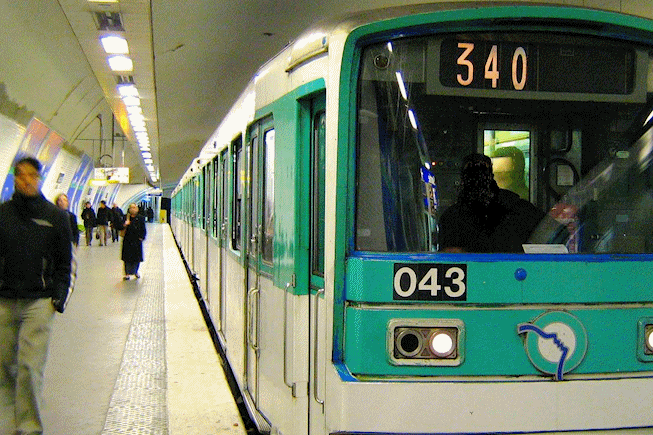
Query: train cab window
(568, 136)
(238, 186)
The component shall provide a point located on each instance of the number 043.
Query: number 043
(429, 282)
(519, 58)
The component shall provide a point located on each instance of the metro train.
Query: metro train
(311, 221)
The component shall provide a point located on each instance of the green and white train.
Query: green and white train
(311, 220)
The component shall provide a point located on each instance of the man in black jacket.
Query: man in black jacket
(486, 218)
(36, 277)
(88, 215)
(102, 221)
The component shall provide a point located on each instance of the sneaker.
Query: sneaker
(137, 276)
(126, 277)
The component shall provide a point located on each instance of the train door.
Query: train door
(317, 307)
(205, 234)
(192, 223)
(223, 244)
(250, 254)
(540, 161)
(510, 146)
(209, 181)
(260, 157)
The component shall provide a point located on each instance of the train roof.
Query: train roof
(315, 41)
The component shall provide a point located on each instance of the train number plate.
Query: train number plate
(430, 282)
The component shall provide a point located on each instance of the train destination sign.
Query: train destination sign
(536, 66)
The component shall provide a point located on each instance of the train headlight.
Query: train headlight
(645, 339)
(409, 342)
(435, 342)
(648, 340)
(443, 342)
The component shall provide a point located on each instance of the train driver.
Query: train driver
(486, 218)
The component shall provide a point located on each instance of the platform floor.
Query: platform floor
(135, 357)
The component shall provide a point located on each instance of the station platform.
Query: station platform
(135, 357)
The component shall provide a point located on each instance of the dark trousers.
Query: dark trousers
(131, 268)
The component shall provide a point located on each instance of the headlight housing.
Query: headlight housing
(426, 342)
(645, 339)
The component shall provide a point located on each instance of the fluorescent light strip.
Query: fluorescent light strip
(114, 44)
(120, 63)
(128, 91)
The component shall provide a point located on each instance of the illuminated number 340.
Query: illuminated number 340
(491, 66)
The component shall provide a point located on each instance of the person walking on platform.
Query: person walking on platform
(61, 201)
(88, 215)
(36, 277)
(117, 219)
(102, 222)
(132, 242)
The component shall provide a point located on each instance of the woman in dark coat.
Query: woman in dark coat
(132, 242)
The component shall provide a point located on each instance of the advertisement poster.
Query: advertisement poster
(48, 152)
(30, 146)
(76, 189)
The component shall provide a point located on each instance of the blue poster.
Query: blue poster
(75, 190)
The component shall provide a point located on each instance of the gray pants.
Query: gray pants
(25, 326)
(89, 235)
(102, 231)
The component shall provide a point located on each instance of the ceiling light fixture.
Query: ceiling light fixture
(128, 91)
(114, 44)
(120, 63)
(131, 101)
(135, 111)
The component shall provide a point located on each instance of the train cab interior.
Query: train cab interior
(583, 159)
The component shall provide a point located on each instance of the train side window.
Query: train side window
(215, 195)
(267, 241)
(238, 185)
(224, 194)
(203, 192)
(318, 192)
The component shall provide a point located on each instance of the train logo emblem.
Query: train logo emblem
(555, 342)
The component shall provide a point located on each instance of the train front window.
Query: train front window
(576, 150)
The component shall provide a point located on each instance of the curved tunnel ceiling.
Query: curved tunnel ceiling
(190, 62)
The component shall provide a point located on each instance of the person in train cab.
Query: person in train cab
(88, 216)
(508, 165)
(102, 221)
(486, 218)
(61, 201)
(117, 218)
(132, 242)
(36, 277)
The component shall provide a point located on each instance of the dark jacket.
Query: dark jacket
(117, 218)
(508, 224)
(132, 242)
(36, 255)
(102, 216)
(74, 228)
(88, 215)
